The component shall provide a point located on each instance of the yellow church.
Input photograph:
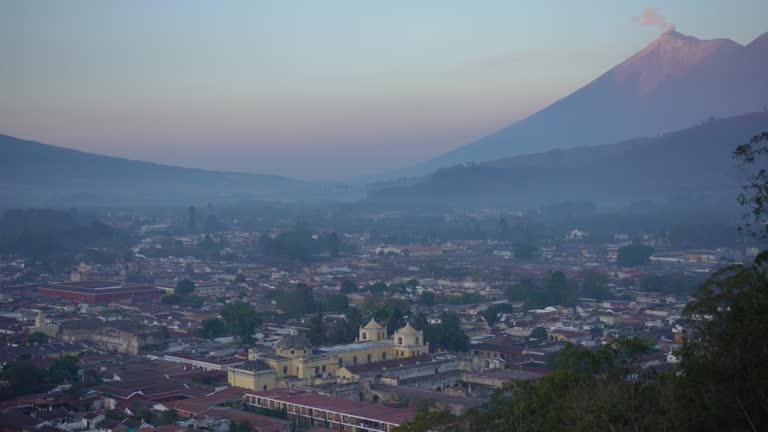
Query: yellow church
(295, 358)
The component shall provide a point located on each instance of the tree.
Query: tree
(371, 304)
(447, 335)
(395, 319)
(754, 195)
(348, 287)
(37, 338)
(184, 287)
(525, 251)
(503, 228)
(212, 224)
(589, 392)
(23, 379)
(165, 418)
(420, 321)
(391, 311)
(634, 255)
(212, 328)
(412, 283)
(299, 244)
(438, 421)
(427, 298)
(595, 285)
(172, 299)
(345, 330)
(334, 244)
(316, 332)
(113, 414)
(297, 302)
(670, 283)
(724, 366)
(144, 415)
(64, 369)
(539, 333)
(241, 320)
(337, 303)
(378, 288)
(240, 278)
(490, 316)
(194, 302)
(241, 426)
(558, 290)
(720, 385)
(192, 218)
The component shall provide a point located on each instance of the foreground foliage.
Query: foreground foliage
(721, 384)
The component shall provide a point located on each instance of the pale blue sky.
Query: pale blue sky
(313, 89)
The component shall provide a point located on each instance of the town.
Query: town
(215, 326)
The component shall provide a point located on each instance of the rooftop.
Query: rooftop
(354, 346)
(379, 413)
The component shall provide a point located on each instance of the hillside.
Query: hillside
(692, 165)
(36, 174)
(675, 82)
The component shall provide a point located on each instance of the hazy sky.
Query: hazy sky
(314, 89)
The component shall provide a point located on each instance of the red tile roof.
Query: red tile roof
(375, 412)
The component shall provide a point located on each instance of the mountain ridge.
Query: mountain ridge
(34, 173)
(15, 144)
(691, 164)
(722, 79)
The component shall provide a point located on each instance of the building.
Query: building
(208, 363)
(99, 291)
(118, 336)
(253, 375)
(294, 356)
(202, 289)
(218, 405)
(331, 412)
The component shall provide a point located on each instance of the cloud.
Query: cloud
(651, 17)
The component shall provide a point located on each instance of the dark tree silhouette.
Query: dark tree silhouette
(754, 196)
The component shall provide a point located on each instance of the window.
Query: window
(265, 387)
(365, 335)
(341, 361)
(417, 340)
(285, 369)
(369, 358)
(354, 360)
(384, 356)
(399, 340)
(323, 368)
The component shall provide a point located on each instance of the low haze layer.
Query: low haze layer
(315, 90)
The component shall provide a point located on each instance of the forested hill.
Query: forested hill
(693, 165)
(36, 174)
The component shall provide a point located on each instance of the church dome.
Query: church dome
(294, 342)
(255, 366)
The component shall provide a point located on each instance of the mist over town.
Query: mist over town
(395, 217)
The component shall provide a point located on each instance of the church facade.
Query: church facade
(294, 357)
